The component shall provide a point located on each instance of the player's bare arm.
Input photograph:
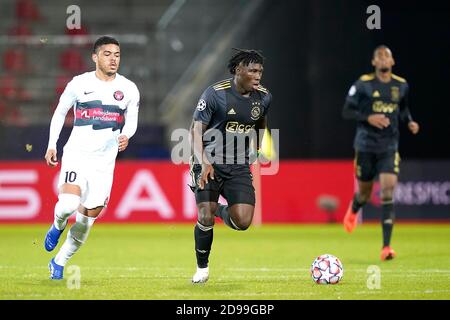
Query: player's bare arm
(207, 168)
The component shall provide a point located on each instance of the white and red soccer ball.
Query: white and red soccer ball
(327, 269)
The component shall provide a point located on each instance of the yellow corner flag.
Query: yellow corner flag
(267, 148)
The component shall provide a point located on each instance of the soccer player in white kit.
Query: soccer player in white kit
(106, 108)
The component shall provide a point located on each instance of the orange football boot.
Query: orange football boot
(350, 219)
(387, 253)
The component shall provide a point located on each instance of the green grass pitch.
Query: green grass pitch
(156, 261)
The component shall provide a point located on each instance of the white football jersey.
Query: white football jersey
(103, 110)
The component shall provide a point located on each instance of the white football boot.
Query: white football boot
(201, 276)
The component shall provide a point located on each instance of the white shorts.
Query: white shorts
(93, 173)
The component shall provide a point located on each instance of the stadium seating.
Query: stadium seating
(27, 10)
(43, 55)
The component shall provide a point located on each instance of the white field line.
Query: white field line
(268, 270)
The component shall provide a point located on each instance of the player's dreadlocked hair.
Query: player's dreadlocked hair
(246, 57)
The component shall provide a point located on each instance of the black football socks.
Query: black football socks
(356, 204)
(387, 220)
(203, 236)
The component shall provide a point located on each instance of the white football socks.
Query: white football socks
(76, 236)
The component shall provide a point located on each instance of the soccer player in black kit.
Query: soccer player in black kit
(228, 115)
(377, 101)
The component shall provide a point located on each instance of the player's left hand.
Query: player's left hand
(123, 142)
(413, 127)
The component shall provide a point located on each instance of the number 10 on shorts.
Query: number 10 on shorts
(70, 176)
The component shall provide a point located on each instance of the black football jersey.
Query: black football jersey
(231, 120)
(367, 96)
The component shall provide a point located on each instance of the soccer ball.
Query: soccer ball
(327, 269)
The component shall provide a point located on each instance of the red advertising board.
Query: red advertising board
(148, 191)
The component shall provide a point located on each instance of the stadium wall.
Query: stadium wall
(157, 191)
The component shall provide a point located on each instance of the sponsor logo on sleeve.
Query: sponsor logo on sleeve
(352, 91)
(201, 105)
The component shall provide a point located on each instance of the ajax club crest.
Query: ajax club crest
(256, 110)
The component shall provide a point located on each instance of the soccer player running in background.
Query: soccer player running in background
(377, 101)
(106, 113)
(233, 110)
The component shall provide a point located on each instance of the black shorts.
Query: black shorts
(232, 181)
(368, 164)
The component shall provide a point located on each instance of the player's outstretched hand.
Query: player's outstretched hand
(379, 120)
(413, 127)
(207, 170)
(123, 142)
(50, 158)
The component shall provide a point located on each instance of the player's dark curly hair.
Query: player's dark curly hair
(381, 46)
(104, 40)
(246, 57)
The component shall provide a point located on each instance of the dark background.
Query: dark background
(315, 50)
